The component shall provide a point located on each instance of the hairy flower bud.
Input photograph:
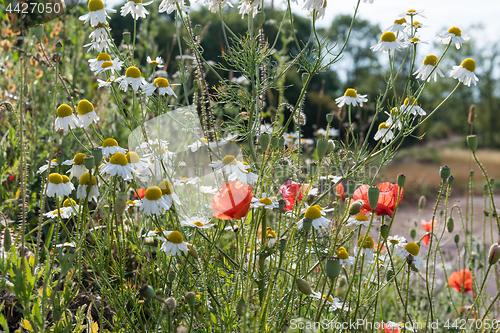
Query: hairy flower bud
(147, 292)
(421, 202)
(171, 303)
(444, 172)
(494, 254)
(451, 224)
(190, 298)
(355, 207)
(304, 287)
(332, 268)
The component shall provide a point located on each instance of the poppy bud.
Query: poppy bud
(384, 231)
(471, 174)
(307, 224)
(39, 30)
(126, 37)
(275, 142)
(171, 303)
(457, 239)
(97, 153)
(171, 276)
(89, 162)
(373, 193)
(444, 172)
(451, 224)
(401, 180)
(329, 118)
(321, 148)
(190, 298)
(241, 308)
(389, 275)
(413, 233)
(59, 158)
(7, 240)
(304, 287)
(494, 254)
(331, 147)
(282, 245)
(450, 180)
(147, 292)
(421, 202)
(281, 142)
(332, 268)
(264, 141)
(313, 167)
(355, 207)
(351, 187)
(192, 251)
(58, 46)
(281, 205)
(472, 142)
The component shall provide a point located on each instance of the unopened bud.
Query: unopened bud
(421, 202)
(126, 37)
(190, 298)
(355, 207)
(444, 172)
(193, 252)
(331, 147)
(171, 303)
(89, 162)
(241, 307)
(7, 240)
(472, 142)
(451, 224)
(457, 239)
(264, 141)
(281, 205)
(321, 148)
(147, 292)
(282, 245)
(494, 254)
(384, 231)
(171, 276)
(401, 180)
(275, 142)
(413, 233)
(373, 194)
(304, 287)
(332, 268)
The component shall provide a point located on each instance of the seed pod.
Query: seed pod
(444, 172)
(171, 303)
(332, 268)
(494, 254)
(304, 287)
(275, 142)
(89, 162)
(450, 180)
(282, 245)
(472, 142)
(147, 292)
(126, 37)
(329, 118)
(350, 188)
(281, 142)
(401, 180)
(321, 148)
(39, 31)
(97, 153)
(307, 224)
(190, 298)
(451, 224)
(59, 157)
(281, 205)
(264, 141)
(373, 194)
(241, 307)
(313, 167)
(457, 239)
(384, 231)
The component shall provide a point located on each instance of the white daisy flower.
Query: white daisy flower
(97, 13)
(118, 165)
(170, 5)
(86, 113)
(314, 213)
(333, 303)
(397, 241)
(56, 186)
(100, 40)
(344, 257)
(186, 181)
(351, 97)
(53, 214)
(360, 219)
(197, 222)
(395, 119)
(429, 66)
(66, 119)
(397, 26)
(167, 190)
(160, 85)
(412, 12)
(229, 164)
(96, 63)
(108, 82)
(248, 7)
(67, 182)
(78, 169)
(136, 162)
(83, 183)
(388, 42)
(465, 72)
(208, 190)
(173, 244)
(133, 77)
(158, 62)
(113, 66)
(246, 178)
(315, 8)
(70, 208)
(66, 245)
(411, 108)
(332, 178)
(331, 132)
(44, 167)
(132, 203)
(263, 202)
(135, 8)
(271, 236)
(110, 147)
(415, 41)
(411, 249)
(216, 5)
(384, 133)
(453, 35)
(153, 202)
(413, 28)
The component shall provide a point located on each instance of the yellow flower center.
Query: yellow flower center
(412, 12)
(103, 57)
(95, 5)
(132, 157)
(401, 21)
(78, 159)
(454, 30)
(130, 202)
(412, 248)
(229, 160)
(330, 299)
(431, 59)
(312, 213)
(318, 206)
(368, 244)
(351, 93)
(204, 140)
(84, 107)
(247, 169)
(109, 142)
(383, 125)
(118, 158)
(407, 101)
(54, 160)
(55, 178)
(394, 241)
(469, 64)
(166, 187)
(64, 110)
(342, 253)
(85, 179)
(361, 218)
(388, 36)
(198, 223)
(69, 203)
(266, 201)
(395, 111)
(65, 179)
(270, 233)
(153, 193)
(133, 72)
(415, 40)
(175, 237)
(153, 63)
(106, 64)
(160, 82)
(416, 23)
(136, 1)
(57, 211)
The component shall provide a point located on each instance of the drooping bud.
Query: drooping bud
(494, 254)
(321, 148)
(241, 307)
(472, 142)
(264, 141)
(350, 188)
(190, 298)
(373, 194)
(89, 162)
(451, 224)
(444, 172)
(171, 303)
(304, 287)
(457, 239)
(413, 233)
(355, 207)
(421, 202)
(384, 231)
(332, 268)
(147, 292)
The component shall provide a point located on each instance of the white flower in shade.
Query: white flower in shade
(67, 182)
(247, 178)
(429, 69)
(384, 132)
(158, 62)
(229, 164)
(411, 108)
(465, 72)
(197, 222)
(344, 257)
(77, 169)
(44, 167)
(397, 26)
(186, 181)
(216, 5)
(412, 12)
(248, 7)
(388, 42)
(410, 249)
(153, 202)
(315, 8)
(360, 219)
(100, 40)
(83, 184)
(108, 82)
(331, 132)
(118, 165)
(453, 35)
(135, 8)
(133, 77)
(271, 236)
(160, 85)
(351, 97)
(397, 241)
(208, 190)
(136, 162)
(173, 244)
(86, 113)
(97, 13)
(56, 186)
(314, 213)
(265, 202)
(66, 119)
(170, 5)
(110, 147)
(167, 190)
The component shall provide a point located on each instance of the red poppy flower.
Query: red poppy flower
(390, 329)
(292, 193)
(387, 199)
(11, 177)
(232, 201)
(428, 227)
(461, 281)
(141, 192)
(339, 189)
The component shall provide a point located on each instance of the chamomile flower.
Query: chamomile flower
(465, 72)
(170, 5)
(388, 42)
(397, 241)
(173, 244)
(412, 107)
(70, 207)
(158, 62)
(366, 247)
(247, 178)
(411, 249)
(208, 190)
(86, 113)
(271, 236)
(110, 147)
(398, 26)
(331, 132)
(351, 97)
(314, 213)
(186, 181)
(56, 186)
(135, 8)
(412, 28)
(384, 132)
(153, 202)
(113, 66)
(108, 82)
(65, 214)
(66, 119)
(83, 184)
(395, 119)
(412, 12)
(99, 39)
(132, 203)
(167, 190)
(66, 245)
(344, 257)
(136, 162)
(133, 77)
(197, 222)
(118, 165)
(229, 164)
(360, 219)
(96, 63)
(264, 201)
(453, 35)
(216, 5)
(97, 13)
(248, 7)
(160, 85)
(77, 169)
(53, 164)
(332, 178)
(429, 69)
(333, 303)
(315, 8)
(67, 182)
(416, 41)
